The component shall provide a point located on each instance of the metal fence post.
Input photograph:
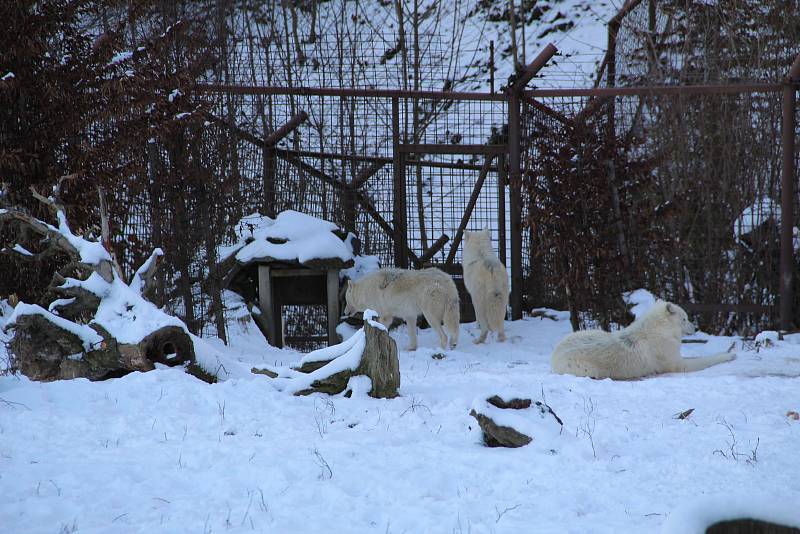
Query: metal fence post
(515, 173)
(788, 193)
(515, 181)
(399, 190)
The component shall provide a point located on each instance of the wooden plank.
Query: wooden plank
(278, 273)
(266, 304)
(333, 306)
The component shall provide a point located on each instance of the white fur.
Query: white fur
(650, 345)
(407, 294)
(487, 282)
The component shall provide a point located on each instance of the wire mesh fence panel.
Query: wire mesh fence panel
(676, 193)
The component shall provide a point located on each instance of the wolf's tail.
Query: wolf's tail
(452, 319)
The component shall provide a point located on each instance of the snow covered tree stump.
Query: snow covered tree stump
(370, 352)
(502, 427)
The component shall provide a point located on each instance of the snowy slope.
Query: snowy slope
(164, 452)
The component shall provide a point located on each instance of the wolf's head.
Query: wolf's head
(675, 315)
(480, 240)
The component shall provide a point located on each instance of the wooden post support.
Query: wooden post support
(333, 305)
(266, 304)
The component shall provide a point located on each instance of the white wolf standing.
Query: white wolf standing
(487, 282)
(407, 294)
(650, 345)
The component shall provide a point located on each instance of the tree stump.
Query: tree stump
(378, 361)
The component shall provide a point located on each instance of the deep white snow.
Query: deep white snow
(164, 452)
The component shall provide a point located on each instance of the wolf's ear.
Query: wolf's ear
(671, 309)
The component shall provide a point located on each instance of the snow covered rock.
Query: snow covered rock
(733, 514)
(511, 421)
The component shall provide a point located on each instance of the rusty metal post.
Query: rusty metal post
(515, 173)
(269, 161)
(502, 182)
(399, 189)
(491, 66)
(515, 181)
(788, 193)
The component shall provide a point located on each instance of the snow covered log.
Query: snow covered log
(91, 323)
(370, 353)
(502, 427)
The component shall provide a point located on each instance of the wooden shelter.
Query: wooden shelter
(292, 260)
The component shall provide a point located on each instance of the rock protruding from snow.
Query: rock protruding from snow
(511, 421)
(370, 353)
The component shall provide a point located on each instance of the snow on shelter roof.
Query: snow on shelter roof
(291, 236)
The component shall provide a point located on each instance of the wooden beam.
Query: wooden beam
(333, 306)
(266, 304)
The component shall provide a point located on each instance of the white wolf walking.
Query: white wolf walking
(487, 282)
(407, 294)
(650, 345)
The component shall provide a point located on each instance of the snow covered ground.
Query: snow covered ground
(164, 452)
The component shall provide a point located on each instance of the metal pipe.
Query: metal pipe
(286, 128)
(515, 179)
(328, 91)
(433, 148)
(534, 67)
(399, 186)
(657, 90)
(498, 97)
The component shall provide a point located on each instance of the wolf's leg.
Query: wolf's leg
(436, 324)
(386, 320)
(688, 365)
(411, 324)
(497, 321)
(452, 319)
(480, 315)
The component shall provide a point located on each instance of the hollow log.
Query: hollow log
(44, 351)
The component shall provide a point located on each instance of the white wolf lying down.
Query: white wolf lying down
(650, 345)
(487, 282)
(407, 294)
